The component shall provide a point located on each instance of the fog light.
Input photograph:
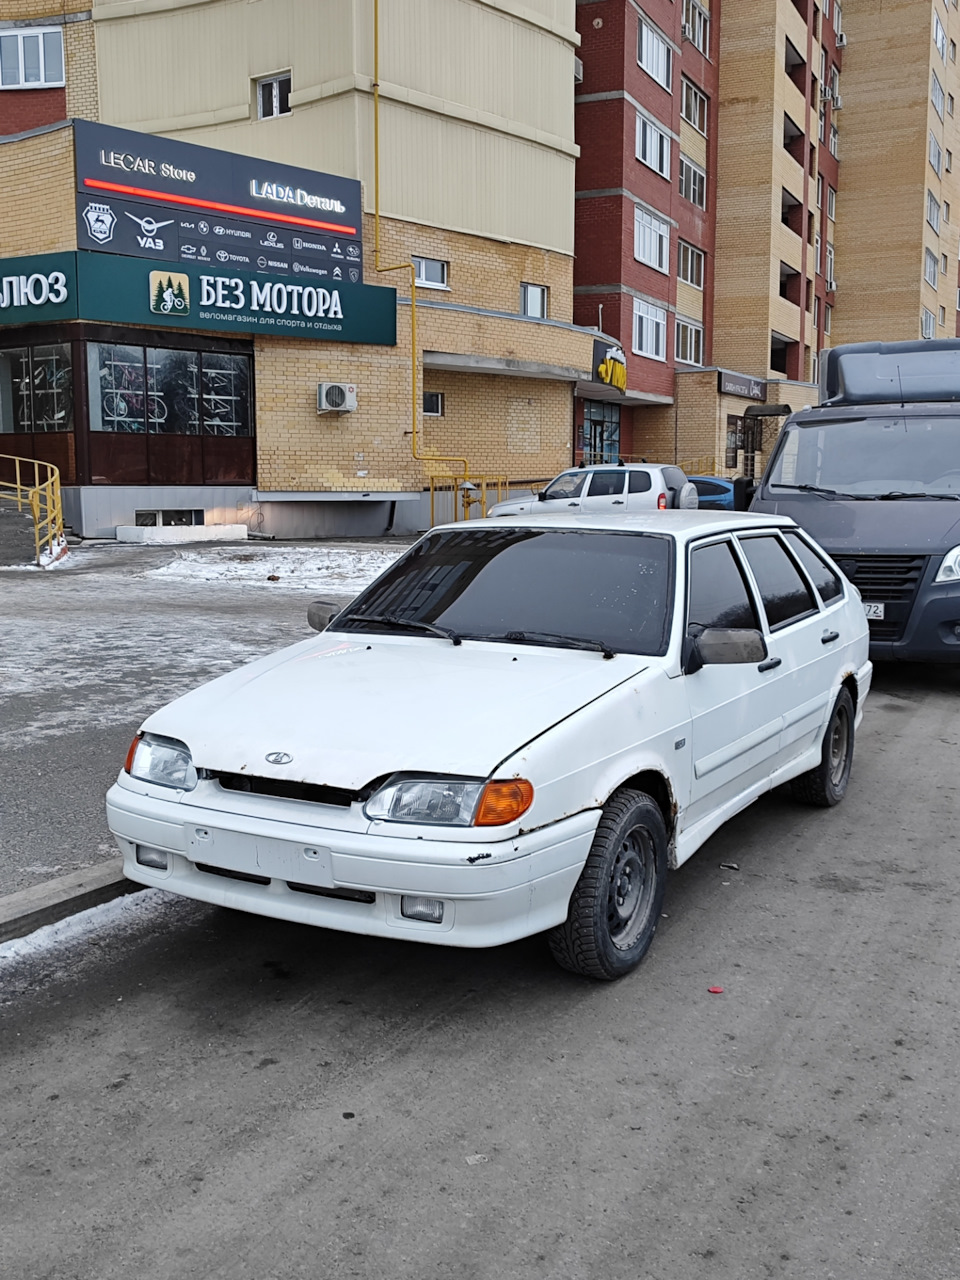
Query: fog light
(156, 858)
(429, 909)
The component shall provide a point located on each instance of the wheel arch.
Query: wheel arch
(659, 787)
(849, 682)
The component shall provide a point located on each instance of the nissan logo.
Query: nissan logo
(278, 757)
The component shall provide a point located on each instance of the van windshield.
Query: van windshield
(894, 456)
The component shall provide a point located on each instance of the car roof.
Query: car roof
(619, 466)
(685, 526)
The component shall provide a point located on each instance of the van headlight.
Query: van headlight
(949, 570)
(164, 761)
(451, 802)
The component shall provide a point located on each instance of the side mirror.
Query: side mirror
(717, 646)
(542, 496)
(320, 613)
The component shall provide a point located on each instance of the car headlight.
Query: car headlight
(451, 802)
(949, 570)
(164, 761)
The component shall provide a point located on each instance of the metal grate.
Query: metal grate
(231, 875)
(312, 792)
(888, 580)
(345, 895)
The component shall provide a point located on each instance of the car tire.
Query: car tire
(615, 906)
(826, 785)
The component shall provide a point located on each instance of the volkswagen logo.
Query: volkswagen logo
(278, 757)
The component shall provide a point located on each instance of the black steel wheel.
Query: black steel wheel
(615, 906)
(826, 785)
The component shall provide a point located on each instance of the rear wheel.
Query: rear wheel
(615, 907)
(826, 785)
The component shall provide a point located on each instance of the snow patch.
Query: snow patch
(340, 569)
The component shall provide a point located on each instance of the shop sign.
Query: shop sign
(130, 291)
(145, 196)
(739, 384)
(609, 365)
(38, 288)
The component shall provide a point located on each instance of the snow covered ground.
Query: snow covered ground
(332, 567)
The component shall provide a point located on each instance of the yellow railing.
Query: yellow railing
(36, 485)
(460, 495)
(703, 466)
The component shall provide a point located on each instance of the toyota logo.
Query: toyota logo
(278, 757)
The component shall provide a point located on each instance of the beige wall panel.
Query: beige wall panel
(784, 317)
(37, 211)
(689, 301)
(786, 246)
(693, 144)
(81, 70)
(24, 10)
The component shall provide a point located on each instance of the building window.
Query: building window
(939, 37)
(822, 125)
(933, 211)
(690, 264)
(654, 55)
(828, 270)
(930, 267)
(693, 182)
(927, 324)
(946, 210)
(649, 330)
(689, 342)
(936, 156)
(273, 96)
(36, 390)
(651, 240)
(693, 105)
(949, 104)
(598, 440)
(936, 94)
(948, 160)
(827, 318)
(431, 273)
(941, 316)
(31, 59)
(433, 404)
(944, 265)
(164, 391)
(953, 50)
(533, 301)
(831, 204)
(834, 142)
(837, 18)
(816, 312)
(696, 26)
(653, 146)
(819, 190)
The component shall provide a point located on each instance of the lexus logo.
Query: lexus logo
(278, 757)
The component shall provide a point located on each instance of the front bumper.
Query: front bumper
(932, 633)
(493, 892)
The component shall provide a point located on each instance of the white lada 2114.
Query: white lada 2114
(518, 728)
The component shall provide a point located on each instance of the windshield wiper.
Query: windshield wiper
(898, 495)
(551, 637)
(812, 488)
(405, 624)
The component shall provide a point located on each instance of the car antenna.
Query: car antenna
(900, 380)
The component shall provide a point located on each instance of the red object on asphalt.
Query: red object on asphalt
(715, 991)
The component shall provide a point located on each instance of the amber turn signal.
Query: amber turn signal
(128, 763)
(503, 802)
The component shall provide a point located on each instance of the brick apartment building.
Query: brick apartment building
(745, 199)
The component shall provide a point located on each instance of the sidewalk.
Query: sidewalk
(21, 913)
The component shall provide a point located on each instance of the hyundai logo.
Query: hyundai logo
(278, 757)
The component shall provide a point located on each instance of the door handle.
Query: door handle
(617, 502)
(769, 664)
(571, 504)
(828, 637)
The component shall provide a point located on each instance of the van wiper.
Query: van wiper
(899, 495)
(403, 624)
(554, 638)
(812, 488)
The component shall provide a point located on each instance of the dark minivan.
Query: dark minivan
(873, 474)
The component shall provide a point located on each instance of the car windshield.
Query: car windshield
(894, 456)
(566, 486)
(541, 586)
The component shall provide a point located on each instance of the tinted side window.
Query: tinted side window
(824, 579)
(718, 592)
(708, 488)
(603, 484)
(639, 481)
(785, 595)
(674, 478)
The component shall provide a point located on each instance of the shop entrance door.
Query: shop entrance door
(600, 434)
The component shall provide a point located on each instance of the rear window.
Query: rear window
(824, 579)
(640, 482)
(604, 484)
(786, 597)
(674, 478)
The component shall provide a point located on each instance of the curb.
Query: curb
(29, 909)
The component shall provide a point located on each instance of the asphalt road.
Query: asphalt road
(193, 1093)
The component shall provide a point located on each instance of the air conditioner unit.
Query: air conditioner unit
(831, 286)
(686, 29)
(841, 39)
(837, 102)
(336, 397)
(826, 93)
(578, 71)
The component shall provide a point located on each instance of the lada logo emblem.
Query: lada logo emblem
(278, 757)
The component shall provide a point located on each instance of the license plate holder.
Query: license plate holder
(874, 610)
(263, 855)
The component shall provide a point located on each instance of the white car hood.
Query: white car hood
(351, 708)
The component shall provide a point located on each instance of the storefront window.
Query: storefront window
(166, 391)
(600, 433)
(36, 389)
